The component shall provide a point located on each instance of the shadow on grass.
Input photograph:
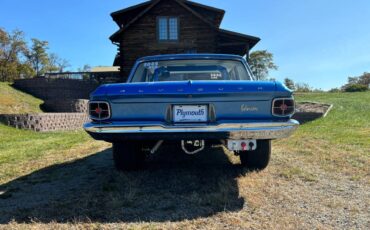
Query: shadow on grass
(173, 187)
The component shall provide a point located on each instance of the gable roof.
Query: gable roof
(148, 6)
(218, 13)
(135, 12)
(141, 5)
(147, 3)
(242, 37)
(213, 14)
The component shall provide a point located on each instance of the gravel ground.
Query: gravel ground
(312, 107)
(209, 190)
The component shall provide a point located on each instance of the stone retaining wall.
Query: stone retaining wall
(59, 95)
(45, 122)
(66, 106)
(56, 89)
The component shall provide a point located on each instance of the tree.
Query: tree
(303, 88)
(261, 62)
(52, 65)
(361, 83)
(63, 64)
(17, 60)
(334, 90)
(12, 50)
(289, 83)
(56, 64)
(85, 69)
(38, 56)
(364, 79)
(355, 88)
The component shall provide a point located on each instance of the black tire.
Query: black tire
(258, 159)
(128, 156)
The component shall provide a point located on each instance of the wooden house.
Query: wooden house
(170, 27)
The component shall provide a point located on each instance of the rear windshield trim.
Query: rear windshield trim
(133, 73)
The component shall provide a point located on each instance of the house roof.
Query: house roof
(242, 37)
(137, 11)
(149, 5)
(119, 12)
(218, 14)
(104, 69)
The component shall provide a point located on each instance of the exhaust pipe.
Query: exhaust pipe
(156, 147)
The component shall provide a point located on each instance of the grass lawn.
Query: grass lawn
(22, 152)
(318, 178)
(341, 141)
(14, 101)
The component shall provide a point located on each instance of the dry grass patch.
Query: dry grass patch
(14, 101)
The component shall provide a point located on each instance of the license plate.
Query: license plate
(190, 113)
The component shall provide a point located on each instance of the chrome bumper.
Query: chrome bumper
(233, 131)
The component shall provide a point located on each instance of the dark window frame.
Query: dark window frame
(168, 40)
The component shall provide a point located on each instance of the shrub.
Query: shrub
(303, 88)
(335, 90)
(355, 88)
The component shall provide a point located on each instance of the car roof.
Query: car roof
(190, 57)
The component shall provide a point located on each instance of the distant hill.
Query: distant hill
(15, 101)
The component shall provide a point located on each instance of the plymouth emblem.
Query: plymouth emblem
(245, 108)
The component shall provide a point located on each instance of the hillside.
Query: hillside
(15, 101)
(317, 179)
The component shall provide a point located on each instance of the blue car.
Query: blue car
(195, 101)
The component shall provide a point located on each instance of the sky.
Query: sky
(319, 42)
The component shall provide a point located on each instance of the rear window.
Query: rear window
(195, 70)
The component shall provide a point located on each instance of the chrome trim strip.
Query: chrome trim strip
(263, 130)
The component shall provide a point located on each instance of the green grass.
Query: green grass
(346, 130)
(325, 160)
(339, 142)
(22, 151)
(14, 101)
(347, 123)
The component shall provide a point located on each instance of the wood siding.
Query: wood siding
(140, 39)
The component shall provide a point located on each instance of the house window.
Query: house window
(168, 28)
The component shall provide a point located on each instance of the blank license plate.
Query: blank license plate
(190, 113)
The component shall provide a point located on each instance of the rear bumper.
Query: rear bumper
(118, 131)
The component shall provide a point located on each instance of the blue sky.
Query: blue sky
(320, 42)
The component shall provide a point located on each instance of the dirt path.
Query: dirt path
(209, 190)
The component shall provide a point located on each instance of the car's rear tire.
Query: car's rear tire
(258, 159)
(128, 156)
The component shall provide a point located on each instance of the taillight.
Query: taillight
(283, 107)
(99, 110)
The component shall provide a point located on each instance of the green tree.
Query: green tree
(85, 68)
(56, 64)
(261, 62)
(12, 50)
(289, 83)
(357, 83)
(38, 57)
(63, 64)
(364, 79)
(355, 88)
(303, 88)
(52, 65)
(334, 90)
